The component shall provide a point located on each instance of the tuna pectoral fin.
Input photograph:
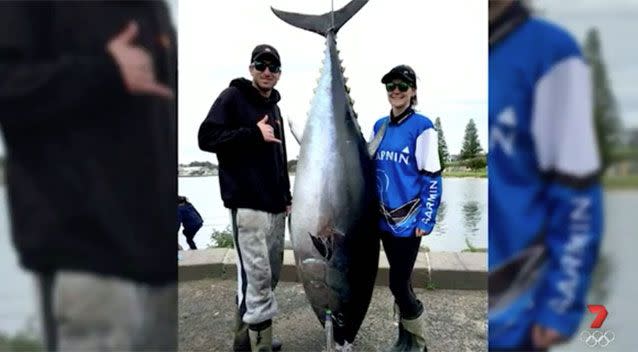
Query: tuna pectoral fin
(322, 24)
(325, 240)
(324, 246)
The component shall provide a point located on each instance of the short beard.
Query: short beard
(263, 91)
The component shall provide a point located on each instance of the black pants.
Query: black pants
(189, 239)
(401, 253)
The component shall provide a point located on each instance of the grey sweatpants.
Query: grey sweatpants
(86, 312)
(259, 242)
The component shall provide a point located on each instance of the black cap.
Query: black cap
(403, 72)
(263, 50)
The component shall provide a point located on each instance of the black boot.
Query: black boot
(276, 344)
(241, 342)
(415, 331)
(401, 343)
(261, 341)
(411, 333)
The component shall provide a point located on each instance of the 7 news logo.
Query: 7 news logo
(597, 338)
(601, 315)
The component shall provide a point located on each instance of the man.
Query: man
(89, 121)
(545, 197)
(189, 217)
(245, 129)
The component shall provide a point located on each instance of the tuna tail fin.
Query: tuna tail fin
(322, 24)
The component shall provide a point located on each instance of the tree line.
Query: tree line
(292, 165)
(471, 154)
(606, 116)
(605, 111)
(206, 164)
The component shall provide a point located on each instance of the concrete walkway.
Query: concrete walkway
(456, 319)
(439, 270)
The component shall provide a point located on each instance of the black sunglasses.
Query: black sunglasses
(261, 67)
(403, 87)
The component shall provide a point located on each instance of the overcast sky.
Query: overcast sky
(618, 28)
(444, 41)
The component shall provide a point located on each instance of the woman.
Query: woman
(409, 189)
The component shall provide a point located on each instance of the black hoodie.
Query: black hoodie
(253, 173)
(90, 169)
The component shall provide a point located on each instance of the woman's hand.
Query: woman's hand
(544, 337)
(419, 233)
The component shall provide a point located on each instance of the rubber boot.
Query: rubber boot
(346, 347)
(402, 341)
(261, 341)
(241, 341)
(415, 331)
(276, 344)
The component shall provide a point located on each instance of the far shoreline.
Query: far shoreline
(455, 175)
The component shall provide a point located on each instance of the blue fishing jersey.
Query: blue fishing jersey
(543, 176)
(408, 174)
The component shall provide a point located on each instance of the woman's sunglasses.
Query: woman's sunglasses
(261, 67)
(403, 87)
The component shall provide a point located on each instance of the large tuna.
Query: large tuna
(333, 213)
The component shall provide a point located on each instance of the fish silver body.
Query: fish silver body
(334, 209)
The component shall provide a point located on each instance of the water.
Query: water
(18, 308)
(462, 217)
(615, 283)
